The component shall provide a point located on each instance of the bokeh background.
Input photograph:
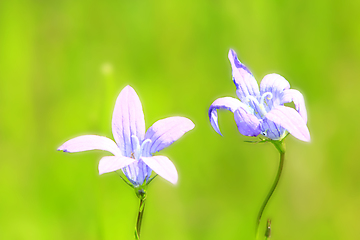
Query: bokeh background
(63, 63)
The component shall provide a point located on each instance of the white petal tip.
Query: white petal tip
(174, 180)
(128, 87)
(102, 171)
(304, 138)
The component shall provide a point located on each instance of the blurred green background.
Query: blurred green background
(174, 53)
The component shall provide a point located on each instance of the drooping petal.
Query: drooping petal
(162, 166)
(227, 103)
(275, 84)
(113, 163)
(90, 142)
(128, 120)
(166, 131)
(292, 95)
(291, 120)
(243, 79)
(248, 124)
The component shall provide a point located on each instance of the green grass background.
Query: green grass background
(174, 53)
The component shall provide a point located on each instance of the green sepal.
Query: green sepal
(126, 181)
(279, 144)
(150, 180)
(261, 140)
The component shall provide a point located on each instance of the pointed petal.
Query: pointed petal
(113, 163)
(248, 124)
(90, 142)
(227, 103)
(166, 131)
(243, 79)
(291, 120)
(162, 166)
(292, 95)
(275, 84)
(128, 120)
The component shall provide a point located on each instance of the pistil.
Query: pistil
(259, 107)
(269, 96)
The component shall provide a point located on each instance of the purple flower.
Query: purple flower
(262, 111)
(134, 149)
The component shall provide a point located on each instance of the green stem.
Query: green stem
(139, 219)
(280, 146)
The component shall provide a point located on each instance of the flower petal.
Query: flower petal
(113, 163)
(248, 124)
(291, 120)
(272, 130)
(166, 131)
(292, 95)
(162, 166)
(137, 172)
(227, 103)
(243, 79)
(128, 120)
(90, 142)
(275, 84)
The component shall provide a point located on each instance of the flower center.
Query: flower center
(138, 149)
(259, 107)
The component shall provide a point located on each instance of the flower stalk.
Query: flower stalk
(142, 196)
(280, 146)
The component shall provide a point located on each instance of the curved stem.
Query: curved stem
(280, 146)
(139, 219)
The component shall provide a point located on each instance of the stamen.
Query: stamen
(269, 96)
(136, 140)
(137, 147)
(144, 143)
(252, 98)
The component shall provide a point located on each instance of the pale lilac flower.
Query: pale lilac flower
(134, 149)
(262, 111)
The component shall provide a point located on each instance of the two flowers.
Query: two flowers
(258, 111)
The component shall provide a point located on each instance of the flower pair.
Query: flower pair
(133, 149)
(259, 111)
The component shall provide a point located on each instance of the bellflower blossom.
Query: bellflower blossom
(262, 111)
(133, 149)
